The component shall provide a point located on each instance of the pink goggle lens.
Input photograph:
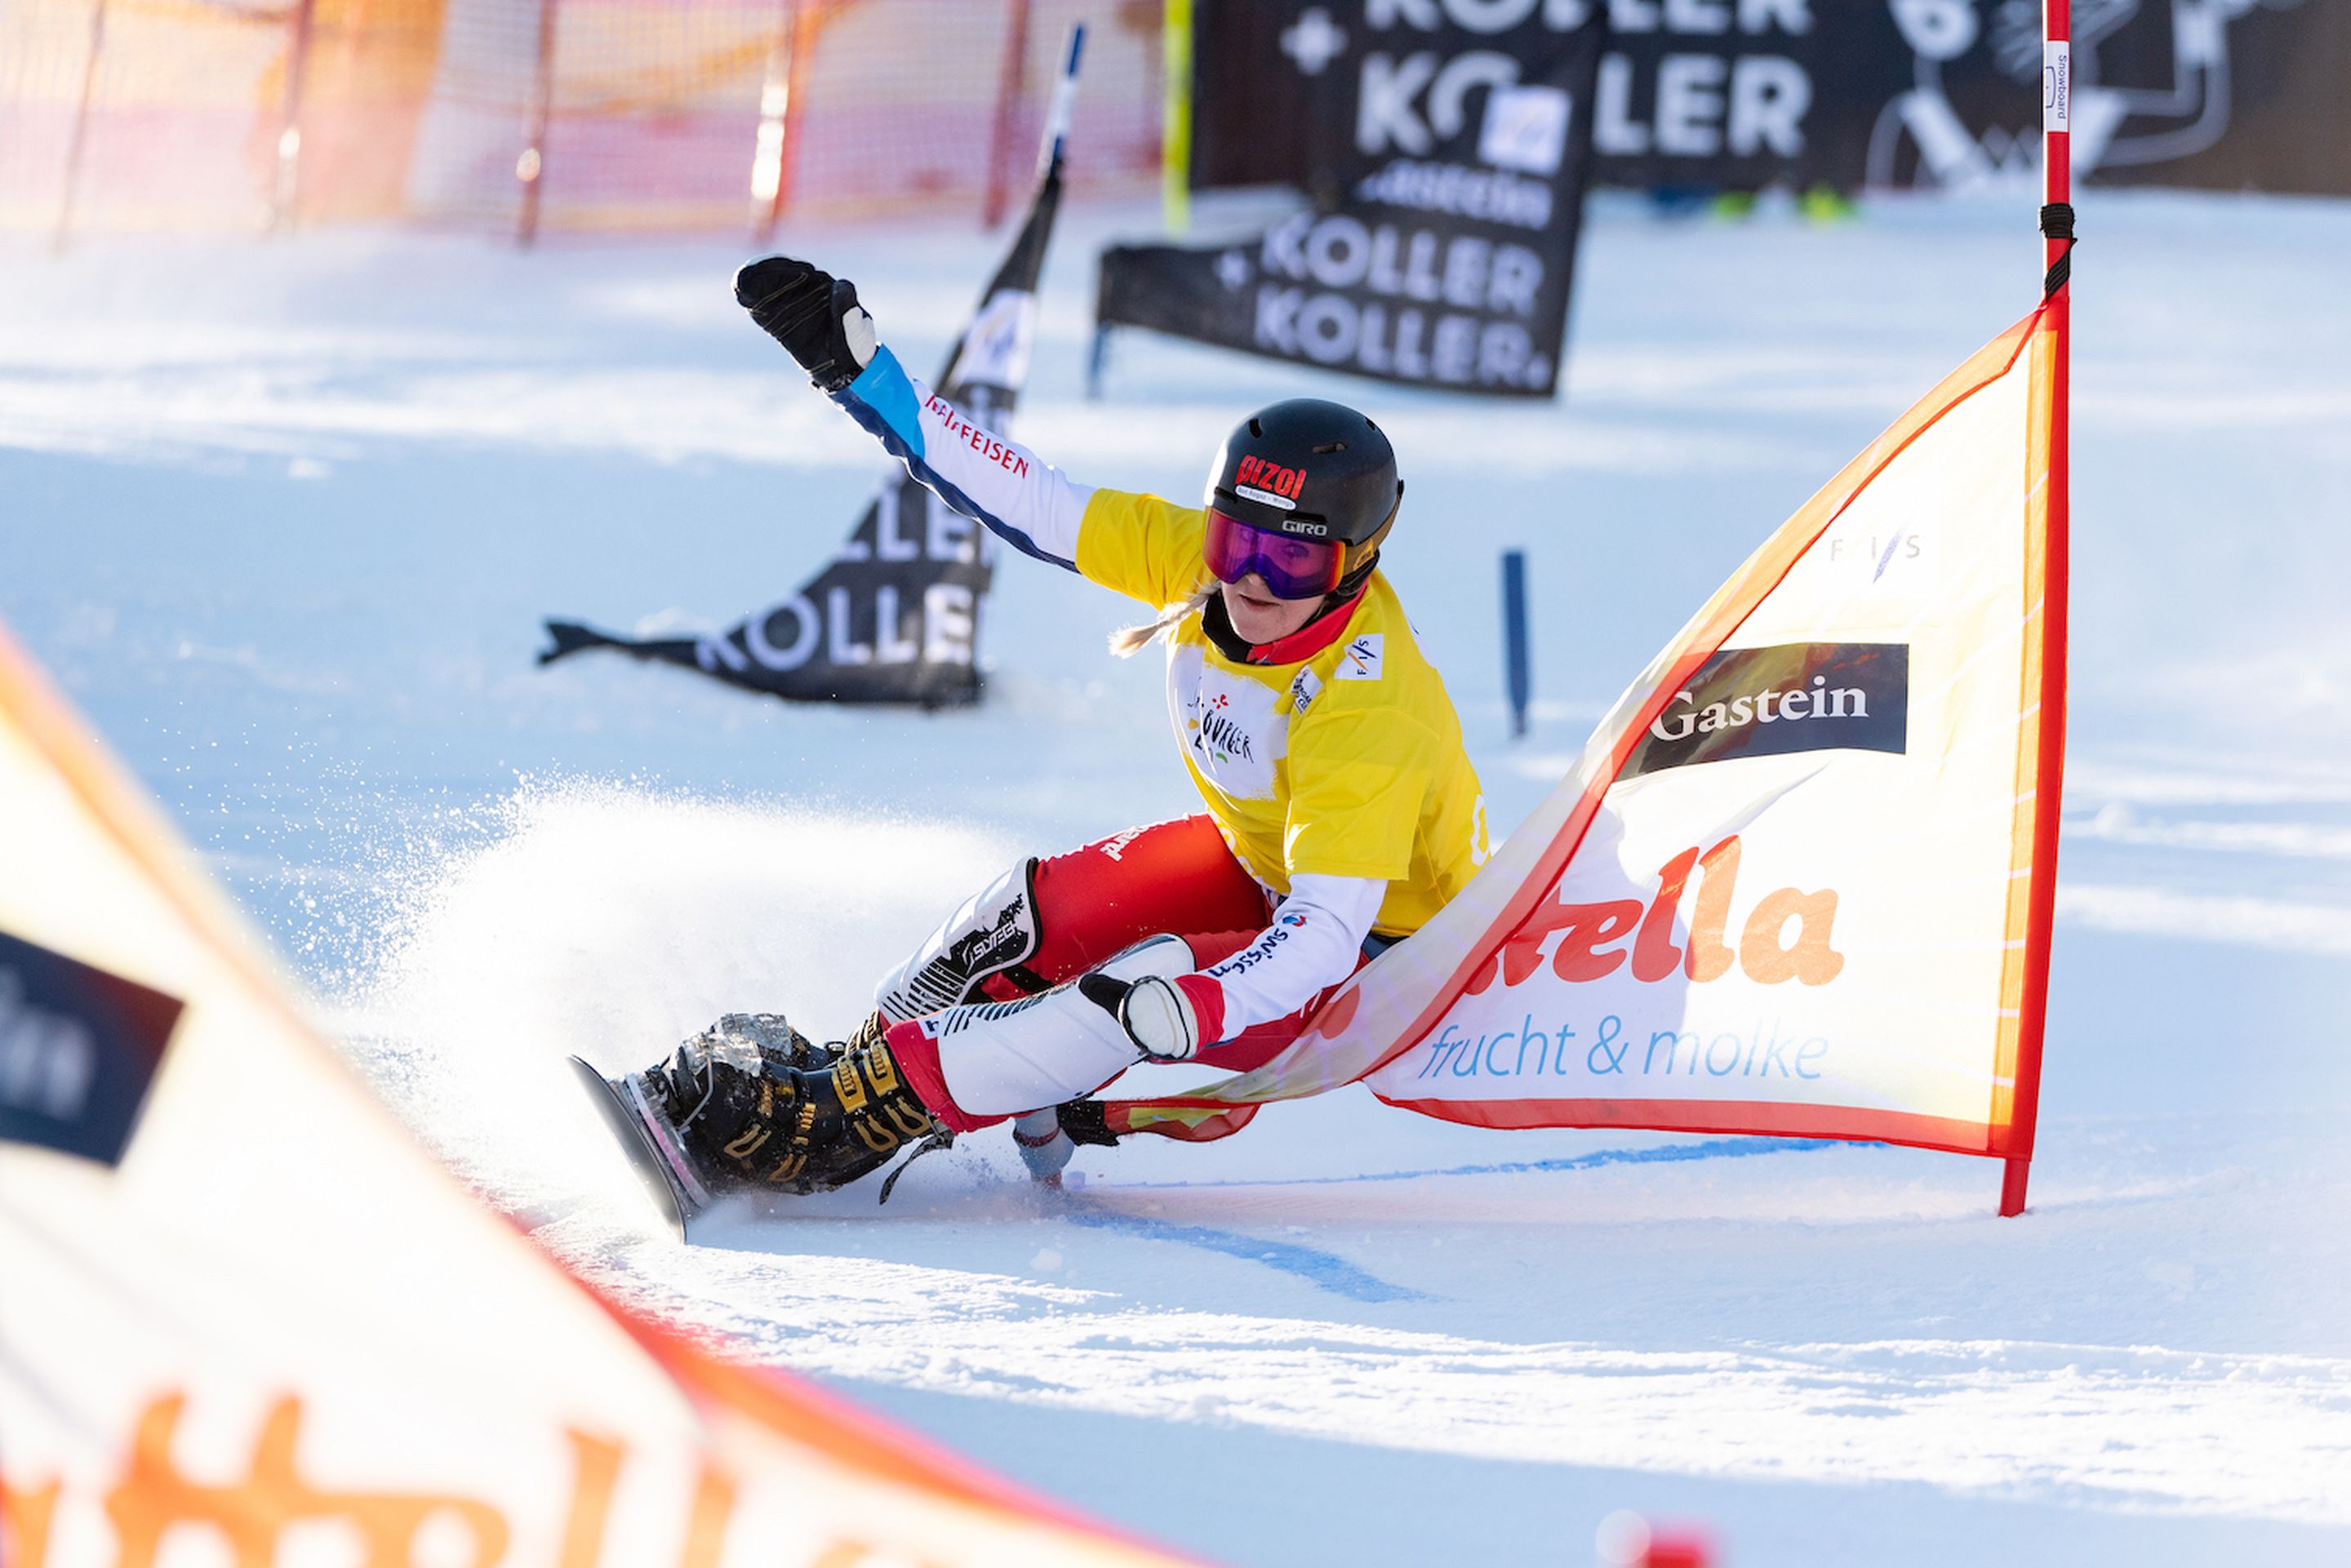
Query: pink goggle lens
(1292, 568)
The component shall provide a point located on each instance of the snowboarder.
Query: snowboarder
(1342, 810)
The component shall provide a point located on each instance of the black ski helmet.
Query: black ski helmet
(1311, 469)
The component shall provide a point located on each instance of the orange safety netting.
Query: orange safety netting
(551, 115)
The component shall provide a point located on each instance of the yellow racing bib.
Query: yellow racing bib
(1345, 760)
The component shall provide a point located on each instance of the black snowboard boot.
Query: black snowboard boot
(757, 1106)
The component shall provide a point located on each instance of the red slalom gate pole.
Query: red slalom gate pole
(72, 185)
(286, 193)
(531, 167)
(2056, 257)
(1009, 76)
(799, 47)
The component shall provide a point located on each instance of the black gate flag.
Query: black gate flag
(1441, 247)
(895, 617)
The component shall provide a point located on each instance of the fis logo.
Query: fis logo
(1269, 483)
(1359, 659)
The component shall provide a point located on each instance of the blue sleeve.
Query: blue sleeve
(1028, 503)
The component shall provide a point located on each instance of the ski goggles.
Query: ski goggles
(1292, 568)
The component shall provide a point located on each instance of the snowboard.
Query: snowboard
(649, 1142)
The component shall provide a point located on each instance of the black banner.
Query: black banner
(895, 617)
(1852, 94)
(79, 1048)
(1790, 697)
(1447, 194)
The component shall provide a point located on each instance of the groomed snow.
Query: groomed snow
(282, 517)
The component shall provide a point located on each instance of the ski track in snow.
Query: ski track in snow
(296, 532)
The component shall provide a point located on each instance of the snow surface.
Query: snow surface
(283, 516)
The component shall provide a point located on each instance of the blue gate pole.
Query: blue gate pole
(1514, 637)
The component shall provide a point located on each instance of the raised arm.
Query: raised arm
(1029, 504)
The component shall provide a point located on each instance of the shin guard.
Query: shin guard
(995, 931)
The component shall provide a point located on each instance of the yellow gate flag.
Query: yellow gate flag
(245, 1319)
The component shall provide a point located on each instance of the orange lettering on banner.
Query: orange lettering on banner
(24, 1523)
(1811, 959)
(249, 1517)
(595, 1473)
(1595, 925)
(1586, 928)
(1521, 951)
(1708, 959)
(1655, 957)
(1333, 1021)
(852, 1553)
(705, 1528)
(1585, 932)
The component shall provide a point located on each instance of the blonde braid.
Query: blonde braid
(1130, 641)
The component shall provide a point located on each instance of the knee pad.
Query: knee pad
(996, 930)
(1000, 1059)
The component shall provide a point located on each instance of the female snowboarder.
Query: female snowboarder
(1342, 810)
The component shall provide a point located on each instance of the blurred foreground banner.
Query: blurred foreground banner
(1789, 887)
(243, 1318)
(2218, 94)
(1440, 247)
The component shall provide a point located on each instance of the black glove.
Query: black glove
(1086, 1121)
(812, 314)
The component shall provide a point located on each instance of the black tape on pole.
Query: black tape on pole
(2057, 223)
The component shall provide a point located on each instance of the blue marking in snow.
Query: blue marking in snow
(1662, 1154)
(1327, 1269)
(1335, 1274)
